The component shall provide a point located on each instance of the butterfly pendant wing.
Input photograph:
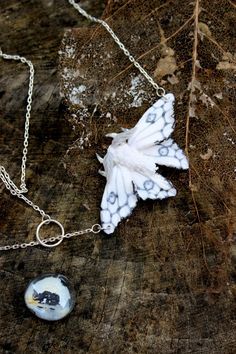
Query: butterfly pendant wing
(156, 124)
(118, 199)
(131, 162)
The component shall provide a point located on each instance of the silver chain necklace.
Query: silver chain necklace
(132, 159)
(160, 91)
(130, 167)
(19, 192)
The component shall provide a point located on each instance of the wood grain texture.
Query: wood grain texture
(165, 281)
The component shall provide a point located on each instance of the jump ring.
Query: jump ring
(46, 217)
(48, 221)
(160, 92)
(96, 228)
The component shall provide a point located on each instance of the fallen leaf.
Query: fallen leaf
(207, 155)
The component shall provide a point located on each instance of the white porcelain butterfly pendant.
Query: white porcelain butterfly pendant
(130, 163)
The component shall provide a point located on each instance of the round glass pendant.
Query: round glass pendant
(50, 297)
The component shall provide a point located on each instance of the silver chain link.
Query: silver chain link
(95, 229)
(10, 185)
(23, 188)
(15, 191)
(160, 91)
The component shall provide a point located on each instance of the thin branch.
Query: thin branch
(231, 3)
(192, 87)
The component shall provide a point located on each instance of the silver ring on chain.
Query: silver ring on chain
(96, 228)
(47, 222)
(46, 217)
(160, 92)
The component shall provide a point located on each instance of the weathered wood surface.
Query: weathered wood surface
(165, 281)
